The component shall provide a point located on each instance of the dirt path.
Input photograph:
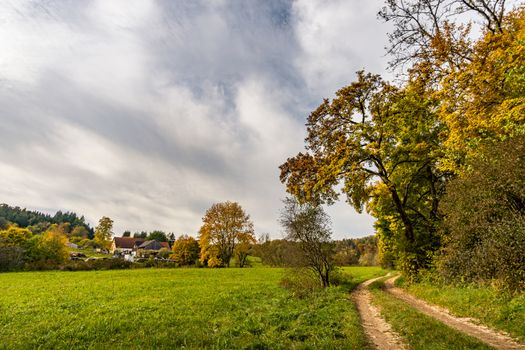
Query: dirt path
(466, 325)
(376, 328)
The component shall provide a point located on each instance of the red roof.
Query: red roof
(126, 242)
(130, 242)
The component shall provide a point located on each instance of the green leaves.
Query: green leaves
(382, 143)
(103, 232)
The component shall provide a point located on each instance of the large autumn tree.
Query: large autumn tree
(485, 99)
(226, 229)
(382, 144)
(469, 53)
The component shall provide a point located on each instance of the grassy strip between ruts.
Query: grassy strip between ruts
(500, 311)
(173, 308)
(419, 331)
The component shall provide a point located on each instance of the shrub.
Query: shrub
(185, 250)
(368, 259)
(96, 264)
(340, 277)
(484, 211)
(301, 282)
(87, 243)
(164, 253)
(11, 258)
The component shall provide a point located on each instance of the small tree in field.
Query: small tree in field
(103, 232)
(185, 250)
(225, 226)
(309, 226)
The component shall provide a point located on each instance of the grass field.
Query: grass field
(173, 308)
(504, 312)
(419, 331)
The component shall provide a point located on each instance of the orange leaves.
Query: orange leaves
(225, 226)
(185, 250)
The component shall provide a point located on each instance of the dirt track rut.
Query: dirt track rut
(376, 328)
(491, 337)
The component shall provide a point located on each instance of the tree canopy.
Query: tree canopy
(383, 144)
(392, 149)
(309, 226)
(39, 222)
(157, 236)
(103, 232)
(185, 250)
(225, 227)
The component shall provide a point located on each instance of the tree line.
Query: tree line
(436, 158)
(38, 222)
(226, 235)
(344, 252)
(30, 240)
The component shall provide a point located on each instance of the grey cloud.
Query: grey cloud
(151, 115)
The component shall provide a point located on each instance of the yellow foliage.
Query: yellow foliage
(185, 250)
(214, 262)
(14, 235)
(485, 98)
(225, 226)
(54, 243)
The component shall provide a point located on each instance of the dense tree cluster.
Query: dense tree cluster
(38, 222)
(356, 251)
(20, 248)
(399, 149)
(485, 222)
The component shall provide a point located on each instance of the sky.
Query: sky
(151, 111)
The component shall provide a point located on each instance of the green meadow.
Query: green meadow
(174, 308)
(419, 331)
(503, 311)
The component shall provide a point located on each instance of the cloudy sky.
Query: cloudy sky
(150, 111)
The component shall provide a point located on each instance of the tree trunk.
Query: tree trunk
(409, 229)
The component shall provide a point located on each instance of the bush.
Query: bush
(497, 258)
(339, 277)
(11, 258)
(97, 264)
(484, 211)
(164, 253)
(368, 259)
(75, 240)
(301, 282)
(87, 243)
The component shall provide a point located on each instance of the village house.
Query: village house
(129, 246)
(125, 245)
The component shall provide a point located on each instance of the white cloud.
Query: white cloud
(149, 112)
(338, 38)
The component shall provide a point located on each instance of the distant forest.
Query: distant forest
(38, 222)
